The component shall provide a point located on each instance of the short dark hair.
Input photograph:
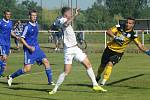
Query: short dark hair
(131, 18)
(7, 10)
(32, 11)
(64, 9)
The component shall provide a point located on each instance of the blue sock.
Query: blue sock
(49, 74)
(17, 73)
(2, 67)
(1, 62)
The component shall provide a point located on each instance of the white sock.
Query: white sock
(103, 82)
(92, 76)
(59, 81)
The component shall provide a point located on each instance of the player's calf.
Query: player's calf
(107, 73)
(2, 65)
(48, 71)
(19, 72)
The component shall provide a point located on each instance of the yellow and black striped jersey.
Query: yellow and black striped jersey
(127, 35)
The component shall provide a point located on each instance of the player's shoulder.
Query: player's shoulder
(26, 26)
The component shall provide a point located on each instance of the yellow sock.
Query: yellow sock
(107, 72)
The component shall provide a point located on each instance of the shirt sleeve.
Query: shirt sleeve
(136, 38)
(24, 32)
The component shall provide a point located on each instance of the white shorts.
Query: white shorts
(73, 53)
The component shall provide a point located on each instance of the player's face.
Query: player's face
(33, 17)
(130, 24)
(7, 15)
(68, 14)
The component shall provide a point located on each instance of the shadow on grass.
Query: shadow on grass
(5, 83)
(85, 85)
(47, 90)
(131, 87)
(80, 85)
(33, 97)
(114, 84)
(81, 91)
(22, 88)
(124, 79)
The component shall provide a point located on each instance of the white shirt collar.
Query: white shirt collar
(33, 24)
(7, 21)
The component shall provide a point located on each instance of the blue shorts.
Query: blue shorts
(31, 57)
(4, 50)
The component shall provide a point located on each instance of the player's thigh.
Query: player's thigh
(105, 58)
(40, 57)
(68, 58)
(4, 52)
(115, 58)
(67, 68)
(80, 56)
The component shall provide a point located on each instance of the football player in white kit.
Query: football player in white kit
(72, 51)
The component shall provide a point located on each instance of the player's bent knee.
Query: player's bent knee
(27, 68)
(46, 62)
(110, 64)
(4, 58)
(87, 63)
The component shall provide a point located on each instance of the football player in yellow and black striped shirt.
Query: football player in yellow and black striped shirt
(121, 36)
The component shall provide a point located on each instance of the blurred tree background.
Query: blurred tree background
(102, 14)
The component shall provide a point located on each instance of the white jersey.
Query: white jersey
(69, 34)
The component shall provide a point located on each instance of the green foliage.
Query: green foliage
(126, 7)
(105, 13)
(102, 15)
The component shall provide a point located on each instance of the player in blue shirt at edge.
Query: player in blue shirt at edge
(32, 51)
(5, 35)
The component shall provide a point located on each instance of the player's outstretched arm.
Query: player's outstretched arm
(73, 17)
(141, 47)
(26, 45)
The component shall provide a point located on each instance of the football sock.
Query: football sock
(17, 73)
(92, 76)
(100, 71)
(59, 81)
(49, 74)
(2, 67)
(107, 72)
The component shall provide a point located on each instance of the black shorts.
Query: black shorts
(110, 56)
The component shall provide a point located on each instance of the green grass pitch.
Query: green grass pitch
(130, 80)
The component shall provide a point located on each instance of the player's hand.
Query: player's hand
(31, 48)
(119, 40)
(147, 52)
(77, 11)
(17, 37)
